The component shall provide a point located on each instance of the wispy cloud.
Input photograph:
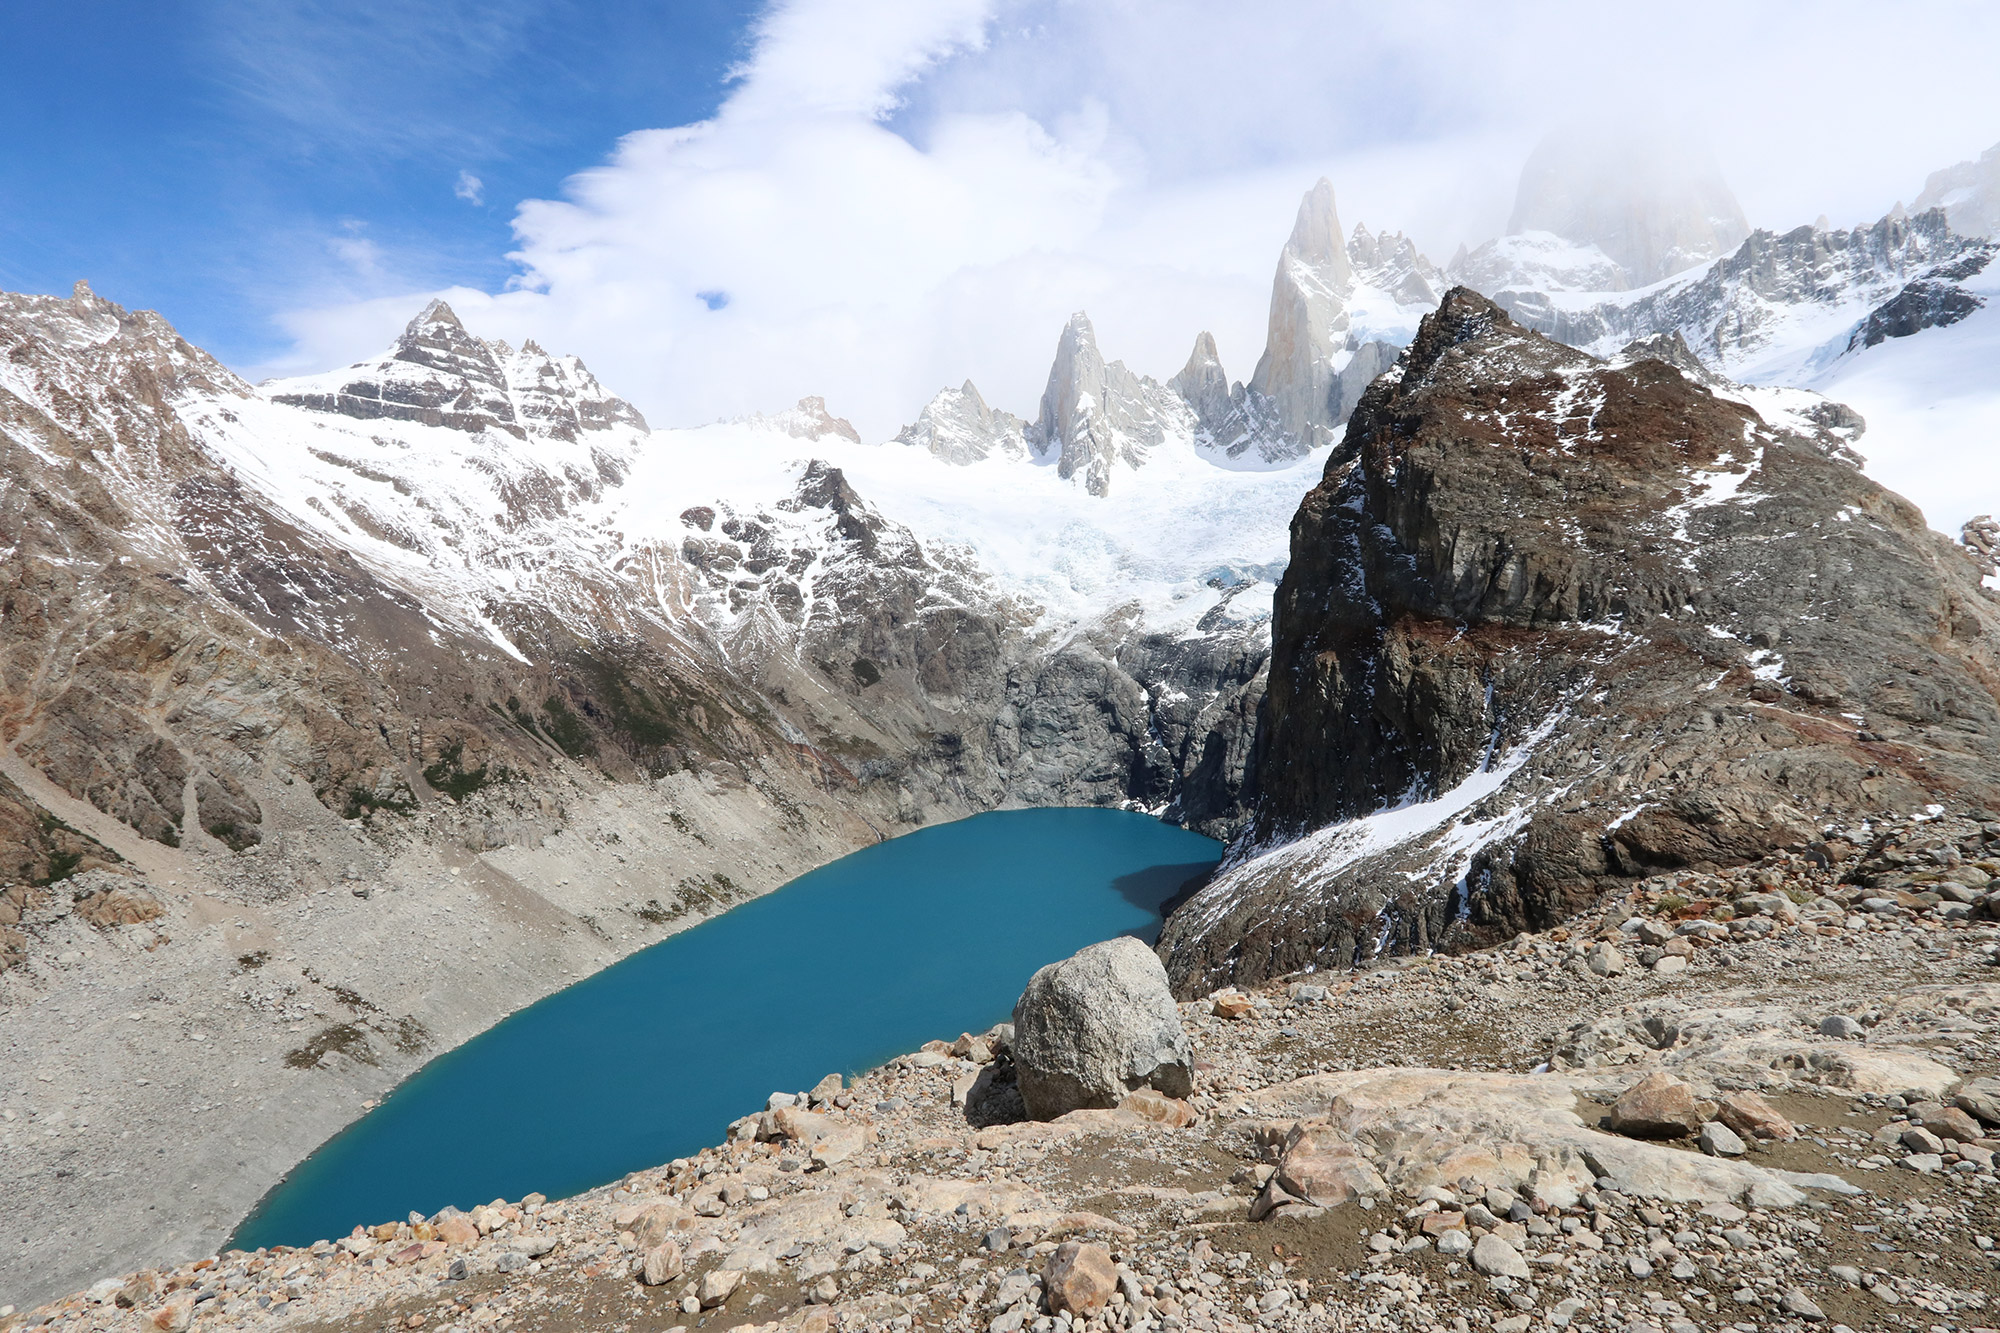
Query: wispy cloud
(368, 76)
(469, 187)
(898, 194)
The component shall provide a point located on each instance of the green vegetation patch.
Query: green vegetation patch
(450, 776)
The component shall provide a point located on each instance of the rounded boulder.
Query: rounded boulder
(1096, 1027)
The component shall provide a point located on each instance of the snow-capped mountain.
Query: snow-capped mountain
(1780, 308)
(1097, 415)
(1835, 313)
(1650, 204)
(1340, 310)
(437, 374)
(459, 604)
(958, 427)
(1969, 194)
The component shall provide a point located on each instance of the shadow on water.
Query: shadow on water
(1156, 888)
(927, 935)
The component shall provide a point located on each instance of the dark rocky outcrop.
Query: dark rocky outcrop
(1927, 303)
(1550, 622)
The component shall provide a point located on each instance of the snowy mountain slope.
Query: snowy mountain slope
(1864, 313)
(1932, 403)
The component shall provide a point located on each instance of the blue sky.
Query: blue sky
(223, 160)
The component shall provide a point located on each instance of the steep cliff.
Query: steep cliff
(1550, 622)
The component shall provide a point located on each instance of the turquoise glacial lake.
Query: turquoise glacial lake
(927, 935)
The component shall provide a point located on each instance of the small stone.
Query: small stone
(1924, 1163)
(1639, 1266)
(716, 1285)
(141, 1290)
(175, 1315)
(1658, 1106)
(1798, 1303)
(825, 1090)
(663, 1263)
(824, 1292)
(998, 1239)
(1719, 1140)
(1840, 1026)
(1154, 1105)
(1754, 1118)
(1079, 1278)
(690, 1304)
(1920, 1140)
(1455, 1244)
(1669, 963)
(1496, 1258)
(1980, 1097)
(1949, 1122)
(1231, 1004)
(1605, 960)
(1513, 1323)
(455, 1228)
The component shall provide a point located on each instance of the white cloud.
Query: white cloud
(362, 256)
(469, 188)
(899, 194)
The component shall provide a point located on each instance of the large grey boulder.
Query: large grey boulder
(1096, 1027)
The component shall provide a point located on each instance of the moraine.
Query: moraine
(929, 934)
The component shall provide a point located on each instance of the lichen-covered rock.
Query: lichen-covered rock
(1097, 1026)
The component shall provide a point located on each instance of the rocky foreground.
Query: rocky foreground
(1758, 1099)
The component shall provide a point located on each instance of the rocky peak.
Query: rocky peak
(1652, 202)
(809, 419)
(1308, 319)
(1095, 414)
(1204, 386)
(1391, 262)
(1550, 623)
(440, 374)
(958, 427)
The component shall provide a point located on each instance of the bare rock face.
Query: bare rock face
(1307, 326)
(1097, 414)
(1204, 386)
(1551, 622)
(1096, 1027)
